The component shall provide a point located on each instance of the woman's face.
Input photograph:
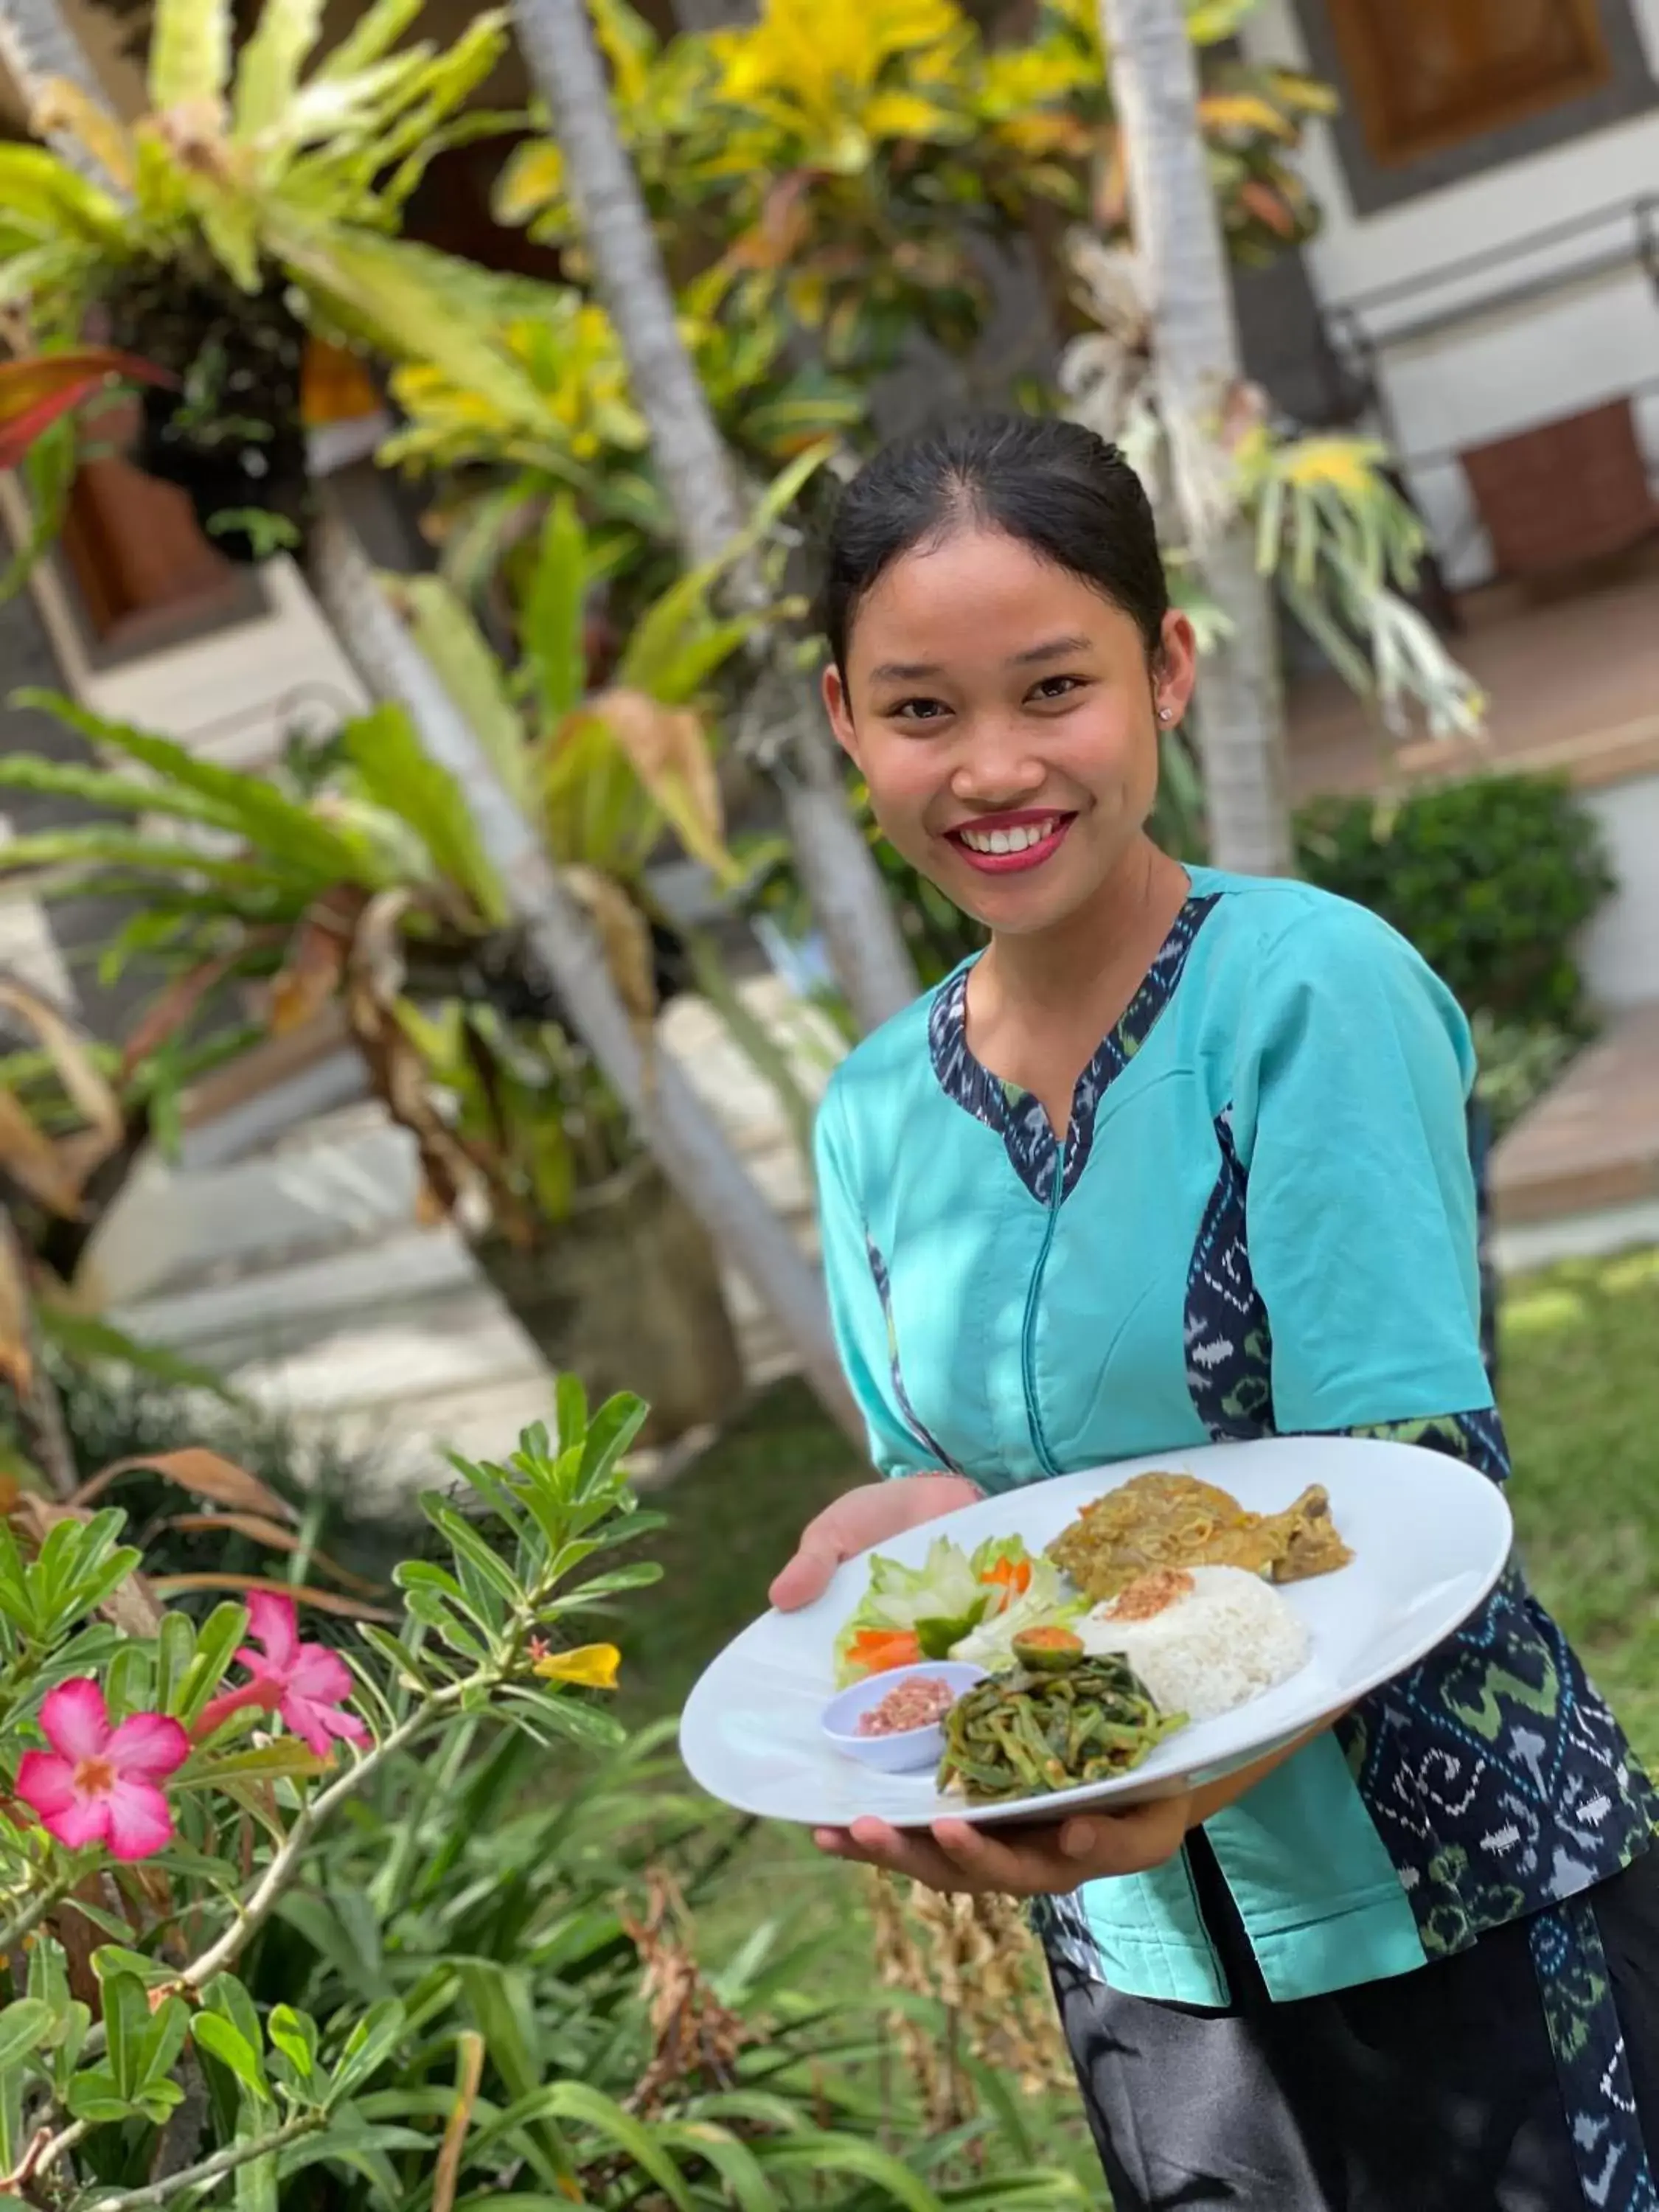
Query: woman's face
(1003, 716)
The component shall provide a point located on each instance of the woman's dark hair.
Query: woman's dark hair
(1052, 484)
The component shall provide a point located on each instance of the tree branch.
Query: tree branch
(212, 2169)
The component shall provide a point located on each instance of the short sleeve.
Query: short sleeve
(856, 1307)
(1350, 1122)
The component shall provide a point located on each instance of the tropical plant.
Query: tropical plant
(847, 168)
(1331, 531)
(251, 201)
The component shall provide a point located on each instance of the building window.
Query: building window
(1429, 74)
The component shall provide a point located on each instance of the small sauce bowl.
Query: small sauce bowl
(910, 1750)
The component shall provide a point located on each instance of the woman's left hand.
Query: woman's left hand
(1035, 1861)
(1054, 1859)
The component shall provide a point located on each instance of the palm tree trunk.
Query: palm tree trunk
(682, 1136)
(849, 900)
(37, 45)
(1241, 724)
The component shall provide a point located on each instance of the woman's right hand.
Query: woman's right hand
(863, 1517)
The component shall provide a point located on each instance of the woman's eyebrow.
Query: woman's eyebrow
(1054, 648)
(905, 672)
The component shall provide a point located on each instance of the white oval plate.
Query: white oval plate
(1430, 1538)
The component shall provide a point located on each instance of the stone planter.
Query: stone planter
(627, 1295)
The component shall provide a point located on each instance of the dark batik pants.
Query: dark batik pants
(1517, 2076)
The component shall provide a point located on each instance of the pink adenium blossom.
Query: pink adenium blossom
(99, 1784)
(305, 1683)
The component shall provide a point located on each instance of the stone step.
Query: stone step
(1579, 1174)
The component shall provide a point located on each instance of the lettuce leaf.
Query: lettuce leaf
(939, 1603)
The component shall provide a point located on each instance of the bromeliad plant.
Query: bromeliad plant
(252, 203)
(161, 1812)
(357, 883)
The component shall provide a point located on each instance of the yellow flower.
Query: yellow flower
(590, 1667)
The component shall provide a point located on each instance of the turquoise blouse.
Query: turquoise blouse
(1262, 1220)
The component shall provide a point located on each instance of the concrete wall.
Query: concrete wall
(1508, 371)
(1620, 951)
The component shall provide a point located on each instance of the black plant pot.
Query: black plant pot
(228, 431)
(250, 496)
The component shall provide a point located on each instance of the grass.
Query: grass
(1580, 1393)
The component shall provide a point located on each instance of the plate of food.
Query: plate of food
(1113, 1636)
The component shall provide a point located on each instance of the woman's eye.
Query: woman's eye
(918, 710)
(1055, 687)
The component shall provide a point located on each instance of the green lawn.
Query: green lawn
(1580, 1390)
(1580, 1387)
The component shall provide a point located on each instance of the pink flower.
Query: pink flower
(306, 1683)
(99, 1784)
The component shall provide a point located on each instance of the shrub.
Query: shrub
(1490, 879)
(315, 1929)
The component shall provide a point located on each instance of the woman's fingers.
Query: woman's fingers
(1035, 1861)
(808, 1575)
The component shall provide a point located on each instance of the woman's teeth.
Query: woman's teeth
(1019, 840)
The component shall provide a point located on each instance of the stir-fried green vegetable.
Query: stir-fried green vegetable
(1021, 1735)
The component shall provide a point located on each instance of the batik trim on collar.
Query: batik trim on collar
(1035, 1154)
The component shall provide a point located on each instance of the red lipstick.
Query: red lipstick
(1009, 844)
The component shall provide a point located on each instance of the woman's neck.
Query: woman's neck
(1037, 1007)
(1103, 951)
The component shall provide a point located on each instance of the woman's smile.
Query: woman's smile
(1011, 843)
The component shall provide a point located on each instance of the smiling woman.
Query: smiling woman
(1183, 1156)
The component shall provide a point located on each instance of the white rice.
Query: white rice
(1215, 1643)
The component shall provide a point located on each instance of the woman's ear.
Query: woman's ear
(1174, 668)
(840, 717)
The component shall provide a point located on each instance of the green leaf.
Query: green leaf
(288, 1760)
(284, 833)
(396, 773)
(638, 2141)
(295, 2034)
(269, 71)
(471, 1546)
(168, 2028)
(461, 657)
(126, 2023)
(175, 1648)
(369, 2045)
(24, 2026)
(189, 53)
(94, 2097)
(215, 1643)
(555, 611)
(215, 2035)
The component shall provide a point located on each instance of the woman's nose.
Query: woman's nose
(996, 766)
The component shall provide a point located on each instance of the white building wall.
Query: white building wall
(1510, 370)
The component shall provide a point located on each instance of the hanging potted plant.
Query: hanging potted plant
(252, 204)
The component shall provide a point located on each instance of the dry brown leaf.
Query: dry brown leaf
(91, 1092)
(17, 1327)
(624, 938)
(316, 961)
(321, 1600)
(264, 1531)
(668, 749)
(207, 1472)
(35, 1163)
(469, 2072)
(173, 1009)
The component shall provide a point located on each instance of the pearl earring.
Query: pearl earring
(1166, 714)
